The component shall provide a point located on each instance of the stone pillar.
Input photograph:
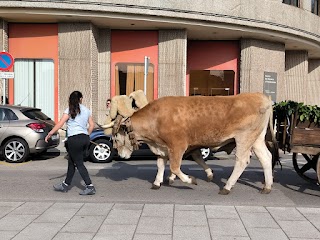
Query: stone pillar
(3, 47)
(257, 57)
(313, 84)
(296, 74)
(172, 62)
(78, 64)
(104, 80)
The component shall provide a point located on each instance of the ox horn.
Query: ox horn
(116, 124)
(109, 125)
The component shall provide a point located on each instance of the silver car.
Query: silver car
(22, 132)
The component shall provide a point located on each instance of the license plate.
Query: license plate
(55, 137)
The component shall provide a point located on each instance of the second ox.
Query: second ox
(172, 126)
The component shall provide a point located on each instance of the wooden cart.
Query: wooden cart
(301, 138)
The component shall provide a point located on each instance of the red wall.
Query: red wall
(35, 41)
(213, 55)
(133, 46)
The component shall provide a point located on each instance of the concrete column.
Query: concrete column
(296, 74)
(104, 49)
(257, 57)
(78, 64)
(313, 85)
(172, 62)
(306, 5)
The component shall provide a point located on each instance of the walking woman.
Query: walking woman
(77, 117)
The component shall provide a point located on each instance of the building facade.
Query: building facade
(204, 47)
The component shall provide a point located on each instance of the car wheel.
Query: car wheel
(15, 150)
(206, 153)
(102, 151)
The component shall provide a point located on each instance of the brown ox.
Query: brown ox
(173, 125)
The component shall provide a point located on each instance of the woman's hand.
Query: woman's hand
(48, 137)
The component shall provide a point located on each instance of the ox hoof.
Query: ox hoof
(224, 191)
(193, 180)
(265, 191)
(155, 187)
(210, 178)
(170, 181)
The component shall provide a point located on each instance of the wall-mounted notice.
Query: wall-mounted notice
(270, 85)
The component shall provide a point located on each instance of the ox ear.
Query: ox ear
(121, 105)
(139, 98)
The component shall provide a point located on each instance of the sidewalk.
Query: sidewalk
(82, 221)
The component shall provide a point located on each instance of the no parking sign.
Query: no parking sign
(6, 61)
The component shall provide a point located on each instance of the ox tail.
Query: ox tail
(273, 145)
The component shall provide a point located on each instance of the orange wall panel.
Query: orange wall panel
(35, 41)
(133, 46)
(213, 55)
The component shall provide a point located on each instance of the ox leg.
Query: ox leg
(197, 157)
(175, 156)
(161, 164)
(171, 178)
(242, 161)
(265, 158)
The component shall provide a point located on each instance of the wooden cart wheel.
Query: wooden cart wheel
(302, 168)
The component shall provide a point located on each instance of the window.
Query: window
(129, 77)
(211, 82)
(315, 6)
(292, 2)
(34, 84)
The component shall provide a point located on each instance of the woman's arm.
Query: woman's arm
(91, 125)
(59, 125)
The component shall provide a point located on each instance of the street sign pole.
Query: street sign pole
(4, 92)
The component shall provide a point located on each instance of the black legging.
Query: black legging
(77, 147)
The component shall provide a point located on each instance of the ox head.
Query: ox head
(122, 108)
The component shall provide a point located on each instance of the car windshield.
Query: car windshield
(35, 114)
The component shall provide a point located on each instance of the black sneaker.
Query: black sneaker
(90, 190)
(61, 187)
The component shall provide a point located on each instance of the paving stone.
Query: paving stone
(122, 206)
(261, 220)
(7, 235)
(7, 207)
(227, 227)
(104, 236)
(160, 210)
(67, 205)
(299, 229)
(31, 208)
(152, 236)
(191, 233)
(95, 209)
(180, 207)
(117, 229)
(13, 222)
(285, 213)
(83, 224)
(190, 218)
(56, 214)
(123, 217)
(73, 236)
(266, 234)
(251, 209)
(39, 231)
(221, 212)
(229, 238)
(155, 225)
(10, 204)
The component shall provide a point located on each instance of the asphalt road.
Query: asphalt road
(130, 182)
